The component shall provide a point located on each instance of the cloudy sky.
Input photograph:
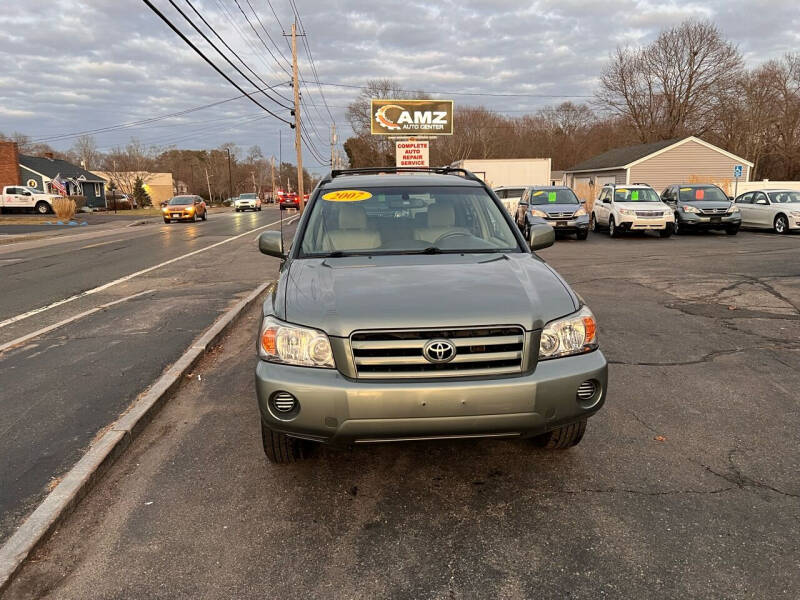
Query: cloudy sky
(76, 65)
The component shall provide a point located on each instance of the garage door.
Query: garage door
(599, 182)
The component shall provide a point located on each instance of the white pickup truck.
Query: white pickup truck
(20, 196)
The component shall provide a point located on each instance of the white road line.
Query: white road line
(105, 286)
(86, 313)
(99, 244)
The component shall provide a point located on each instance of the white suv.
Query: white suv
(634, 207)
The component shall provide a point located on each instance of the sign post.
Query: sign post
(737, 172)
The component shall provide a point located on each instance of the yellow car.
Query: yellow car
(185, 208)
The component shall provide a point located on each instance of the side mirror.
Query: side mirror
(730, 198)
(606, 200)
(542, 236)
(583, 200)
(271, 244)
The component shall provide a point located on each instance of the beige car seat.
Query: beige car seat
(352, 233)
(441, 220)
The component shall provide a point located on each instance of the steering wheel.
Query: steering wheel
(449, 234)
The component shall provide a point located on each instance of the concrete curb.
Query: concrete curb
(79, 480)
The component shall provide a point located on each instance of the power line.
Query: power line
(222, 54)
(277, 49)
(205, 58)
(311, 59)
(260, 38)
(219, 37)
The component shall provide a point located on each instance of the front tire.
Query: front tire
(781, 224)
(563, 437)
(42, 207)
(667, 231)
(205, 215)
(732, 230)
(593, 223)
(677, 229)
(282, 449)
(582, 235)
(167, 220)
(613, 231)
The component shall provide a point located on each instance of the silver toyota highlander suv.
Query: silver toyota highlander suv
(409, 307)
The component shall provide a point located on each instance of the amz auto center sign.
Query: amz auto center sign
(412, 153)
(411, 117)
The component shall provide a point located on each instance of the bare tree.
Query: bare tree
(671, 87)
(84, 152)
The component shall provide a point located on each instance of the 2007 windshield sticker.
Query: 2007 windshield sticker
(551, 196)
(347, 196)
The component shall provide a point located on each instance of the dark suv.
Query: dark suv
(702, 206)
(558, 205)
(409, 307)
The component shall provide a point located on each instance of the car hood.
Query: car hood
(643, 205)
(706, 204)
(342, 295)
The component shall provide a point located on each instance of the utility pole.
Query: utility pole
(230, 178)
(208, 181)
(272, 175)
(255, 187)
(298, 143)
(333, 146)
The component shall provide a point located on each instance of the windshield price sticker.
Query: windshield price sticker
(347, 196)
(551, 196)
(635, 195)
(699, 194)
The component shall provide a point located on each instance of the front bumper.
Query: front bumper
(708, 222)
(245, 206)
(339, 410)
(179, 216)
(570, 225)
(628, 223)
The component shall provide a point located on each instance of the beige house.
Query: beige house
(659, 164)
(159, 186)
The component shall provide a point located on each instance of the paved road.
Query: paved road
(685, 486)
(58, 390)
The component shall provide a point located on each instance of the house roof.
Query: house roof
(50, 167)
(619, 158)
(624, 158)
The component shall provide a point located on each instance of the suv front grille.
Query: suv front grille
(561, 215)
(480, 351)
(714, 211)
(649, 213)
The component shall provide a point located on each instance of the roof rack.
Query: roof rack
(379, 170)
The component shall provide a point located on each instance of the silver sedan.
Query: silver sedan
(778, 210)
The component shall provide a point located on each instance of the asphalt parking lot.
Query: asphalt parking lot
(685, 486)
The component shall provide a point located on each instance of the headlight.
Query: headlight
(574, 334)
(690, 209)
(667, 212)
(627, 211)
(580, 212)
(294, 345)
(794, 213)
(165, 209)
(538, 213)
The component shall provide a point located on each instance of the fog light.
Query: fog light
(284, 402)
(586, 390)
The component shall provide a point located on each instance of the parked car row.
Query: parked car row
(638, 207)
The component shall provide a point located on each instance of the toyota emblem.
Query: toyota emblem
(439, 351)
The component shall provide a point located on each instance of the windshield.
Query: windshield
(784, 197)
(406, 220)
(636, 195)
(178, 200)
(247, 196)
(553, 196)
(706, 192)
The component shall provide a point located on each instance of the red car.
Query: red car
(288, 200)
